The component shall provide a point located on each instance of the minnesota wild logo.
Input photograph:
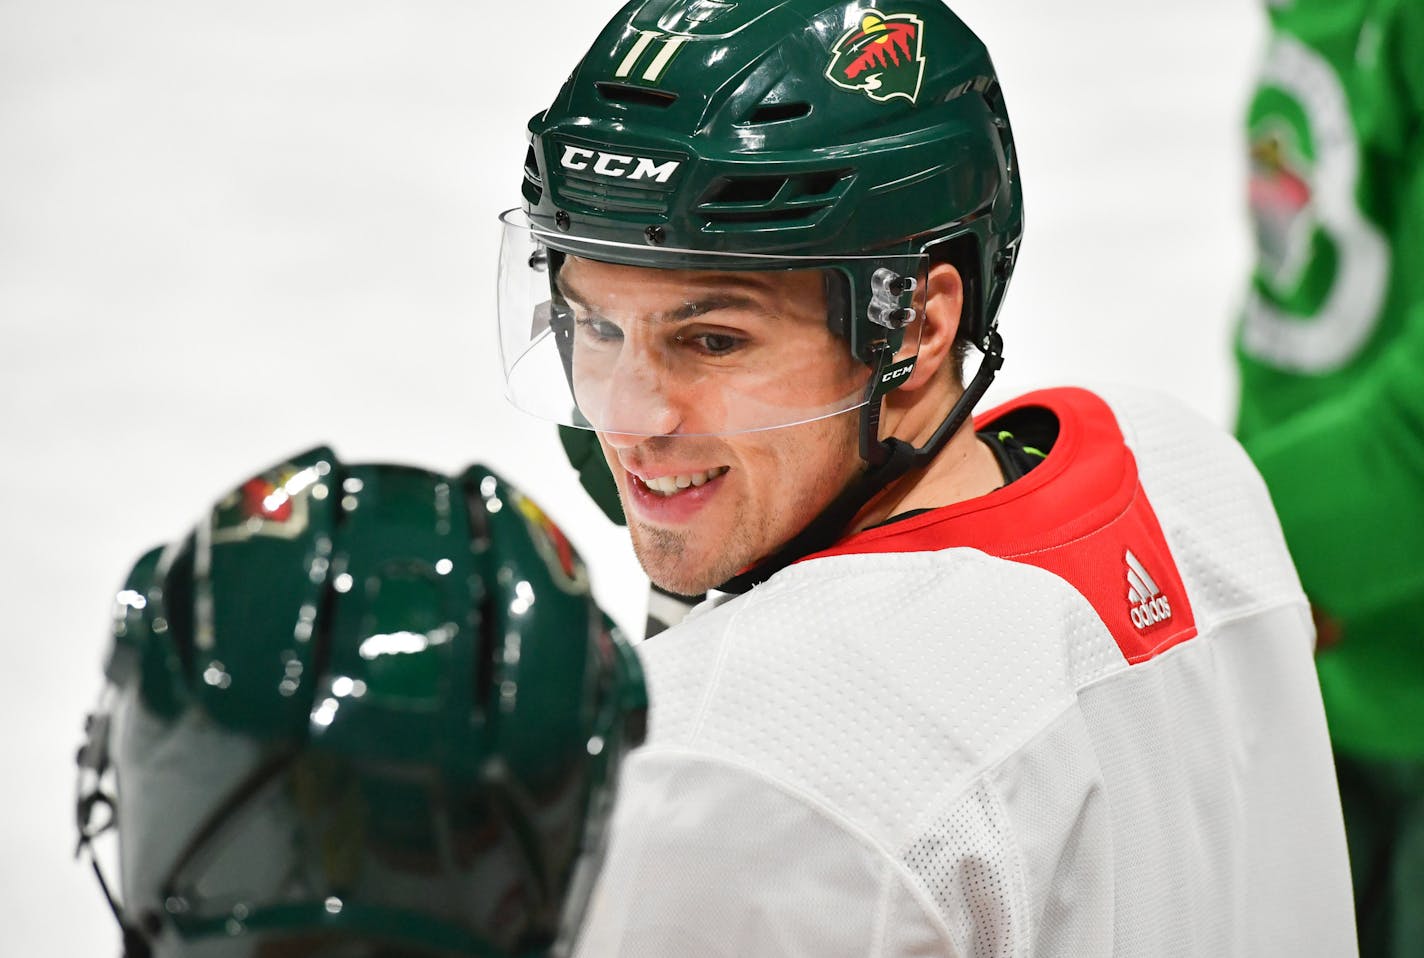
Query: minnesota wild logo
(881, 57)
(1281, 207)
(554, 547)
(272, 504)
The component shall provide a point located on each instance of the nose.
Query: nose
(638, 400)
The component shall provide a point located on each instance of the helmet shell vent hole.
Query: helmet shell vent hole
(746, 189)
(777, 113)
(635, 95)
(764, 200)
(533, 182)
(820, 184)
(695, 14)
(177, 606)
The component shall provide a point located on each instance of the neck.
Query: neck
(964, 469)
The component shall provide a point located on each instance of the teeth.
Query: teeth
(671, 485)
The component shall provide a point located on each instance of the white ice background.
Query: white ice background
(229, 231)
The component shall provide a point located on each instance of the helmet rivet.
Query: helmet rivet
(561, 220)
(656, 235)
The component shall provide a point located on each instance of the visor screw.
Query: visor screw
(561, 220)
(656, 235)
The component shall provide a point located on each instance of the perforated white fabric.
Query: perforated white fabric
(945, 753)
(922, 696)
(963, 859)
(1213, 507)
(746, 866)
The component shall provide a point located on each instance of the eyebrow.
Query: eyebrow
(708, 303)
(711, 303)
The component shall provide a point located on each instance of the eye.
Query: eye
(713, 343)
(598, 330)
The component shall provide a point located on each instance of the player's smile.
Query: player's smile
(701, 535)
(672, 498)
(670, 484)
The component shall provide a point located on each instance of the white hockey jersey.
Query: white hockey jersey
(1075, 717)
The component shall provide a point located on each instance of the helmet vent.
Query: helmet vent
(487, 644)
(695, 14)
(753, 200)
(635, 95)
(597, 194)
(178, 603)
(777, 113)
(533, 182)
(747, 189)
(819, 184)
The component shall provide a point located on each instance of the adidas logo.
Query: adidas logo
(1149, 605)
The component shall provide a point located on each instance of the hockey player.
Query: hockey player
(1035, 685)
(362, 711)
(1331, 350)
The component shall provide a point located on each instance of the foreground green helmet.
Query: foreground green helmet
(360, 711)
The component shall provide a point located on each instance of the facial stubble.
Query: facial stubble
(669, 556)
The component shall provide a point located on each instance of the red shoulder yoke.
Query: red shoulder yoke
(1081, 514)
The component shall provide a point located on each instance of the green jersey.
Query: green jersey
(1331, 344)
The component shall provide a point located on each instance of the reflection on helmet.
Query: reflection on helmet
(360, 711)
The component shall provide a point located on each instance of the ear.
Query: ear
(939, 324)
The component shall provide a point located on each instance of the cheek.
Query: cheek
(610, 459)
(809, 380)
(799, 477)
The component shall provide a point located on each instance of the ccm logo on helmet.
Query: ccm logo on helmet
(896, 373)
(618, 165)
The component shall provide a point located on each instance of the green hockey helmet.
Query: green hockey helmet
(361, 711)
(863, 141)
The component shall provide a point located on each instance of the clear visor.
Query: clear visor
(709, 344)
(438, 862)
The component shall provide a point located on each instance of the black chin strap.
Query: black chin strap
(93, 760)
(888, 460)
(135, 944)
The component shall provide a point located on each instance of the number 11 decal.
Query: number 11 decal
(655, 70)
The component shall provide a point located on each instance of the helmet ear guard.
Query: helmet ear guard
(419, 648)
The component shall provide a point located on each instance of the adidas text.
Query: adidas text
(1151, 612)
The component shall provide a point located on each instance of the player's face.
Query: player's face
(669, 358)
